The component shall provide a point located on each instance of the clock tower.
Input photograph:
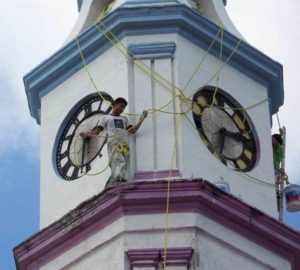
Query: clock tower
(164, 66)
(210, 97)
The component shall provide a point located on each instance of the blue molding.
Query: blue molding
(137, 21)
(156, 50)
(79, 4)
(149, 2)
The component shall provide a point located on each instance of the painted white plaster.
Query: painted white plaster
(213, 9)
(142, 101)
(159, 131)
(215, 246)
(58, 196)
(197, 160)
(91, 10)
(216, 12)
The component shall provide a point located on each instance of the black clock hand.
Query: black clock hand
(234, 135)
(83, 151)
(222, 143)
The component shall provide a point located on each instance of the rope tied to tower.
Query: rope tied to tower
(179, 95)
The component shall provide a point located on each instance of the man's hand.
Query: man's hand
(83, 135)
(135, 128)
(144, 114)
(94, 132)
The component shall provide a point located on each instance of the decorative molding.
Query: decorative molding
(144, 257)
(157, 50)
(152, 175)
(137, 21)
(144, 3)
(155, 257)
(197, 196)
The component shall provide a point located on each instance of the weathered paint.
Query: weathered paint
(223, 231)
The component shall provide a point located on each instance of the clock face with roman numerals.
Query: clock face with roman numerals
(76, 156)
(225, 128)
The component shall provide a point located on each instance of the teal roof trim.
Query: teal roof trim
(155, 50)
(79, 4)
(142, 21)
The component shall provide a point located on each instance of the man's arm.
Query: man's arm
(134, 129)
(94, 132)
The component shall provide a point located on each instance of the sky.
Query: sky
(32, 30)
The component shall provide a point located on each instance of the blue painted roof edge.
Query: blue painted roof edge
(170, 19)
(79, 4)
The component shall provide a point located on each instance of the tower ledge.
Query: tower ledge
(134, 203)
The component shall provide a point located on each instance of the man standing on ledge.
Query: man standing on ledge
(117, 129)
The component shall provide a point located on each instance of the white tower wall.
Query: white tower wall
(215, 246)
(152, 147)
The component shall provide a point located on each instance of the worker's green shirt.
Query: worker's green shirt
(278, 155)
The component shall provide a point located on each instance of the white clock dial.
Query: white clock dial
(225, 128)
(76, 156)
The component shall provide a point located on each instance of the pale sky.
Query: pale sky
(32, 30)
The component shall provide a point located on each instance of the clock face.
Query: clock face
(76, 156)
(225, 128)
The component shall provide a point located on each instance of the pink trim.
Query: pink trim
(150, 197)
(143, 258)
(151, 175)
(152, 257)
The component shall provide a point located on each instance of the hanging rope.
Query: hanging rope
(168, 190)
(170, 86)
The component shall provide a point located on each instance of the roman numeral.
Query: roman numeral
(63, 155)
(87, 109)
(87, 167)
(100, 104)
(108, 110)
(76, 122)
(75, 173)
(67, 138)
(220, 101)
(66, 167)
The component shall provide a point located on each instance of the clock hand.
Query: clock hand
(83, 152)
(222, 144)
(234, 135)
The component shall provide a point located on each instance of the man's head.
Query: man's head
(119, 106)
(276, 140)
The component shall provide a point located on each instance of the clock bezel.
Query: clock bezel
(233, 103)
(68, 121)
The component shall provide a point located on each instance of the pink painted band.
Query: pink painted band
(152, 257)
(149, 197)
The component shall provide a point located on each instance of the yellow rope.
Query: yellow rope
(259, 180)
(168, 192)
(119, 45)
(203, 59)
(170, 86)
(88, 72)
(279, 126)
(221, 67)
(152, 71)
(266, 182)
